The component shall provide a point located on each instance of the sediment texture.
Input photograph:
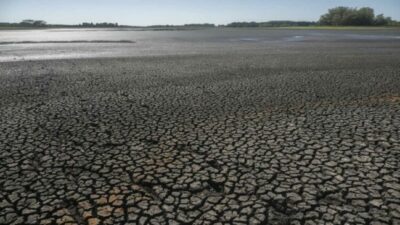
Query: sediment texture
(303, 136)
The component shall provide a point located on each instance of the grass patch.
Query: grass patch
(341, 28)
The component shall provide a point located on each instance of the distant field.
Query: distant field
(202, 28)
(20, 28)
(344, 27)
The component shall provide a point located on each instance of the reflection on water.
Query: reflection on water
(63, 42)
(249, 39)
(295, 38)
(71, 43)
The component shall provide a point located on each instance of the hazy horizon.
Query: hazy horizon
(178, 12)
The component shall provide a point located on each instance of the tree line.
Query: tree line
(346, 16)
(98, 24)
(284, 23)
(193, 25)
(42, 23)
(339, 16)
(26, 23)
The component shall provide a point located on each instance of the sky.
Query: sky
(155, 12)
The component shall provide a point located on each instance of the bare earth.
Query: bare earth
(251, 132)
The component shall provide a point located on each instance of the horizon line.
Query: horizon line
(182, 24)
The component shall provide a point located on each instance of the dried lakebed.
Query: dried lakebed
(307, 134)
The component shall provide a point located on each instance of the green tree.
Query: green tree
(381, 20)
(345, 16)
(39, 23)
(364, 16)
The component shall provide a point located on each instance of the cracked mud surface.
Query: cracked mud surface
(307, 135)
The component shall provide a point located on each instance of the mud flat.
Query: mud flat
(255, 129)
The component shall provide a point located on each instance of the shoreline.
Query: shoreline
(207, 28)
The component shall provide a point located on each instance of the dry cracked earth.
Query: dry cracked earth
(303, 135)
